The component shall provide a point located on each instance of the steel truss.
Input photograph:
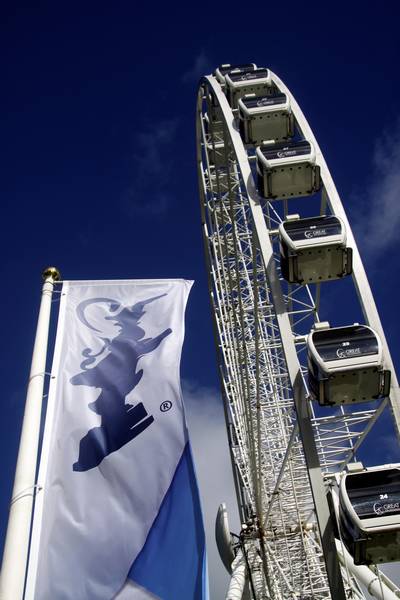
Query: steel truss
(283, 450)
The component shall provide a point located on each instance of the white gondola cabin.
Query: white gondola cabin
(255, 81)
(265, 118)
(345, 365)
(223, 70)
(314, 249)
(369, 514)
(287, 169)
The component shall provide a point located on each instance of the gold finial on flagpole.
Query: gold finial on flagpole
(52, 272)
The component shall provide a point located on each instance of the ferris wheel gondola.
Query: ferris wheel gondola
(369, 513)
(345, 365)
(313, 250)
(265, 118)
(239, 83)
(287, 169)
(221, 71)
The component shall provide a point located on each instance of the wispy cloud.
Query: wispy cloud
(136, 202)
(200, 66)
(208, 436)
(152, 164)
(378, 227)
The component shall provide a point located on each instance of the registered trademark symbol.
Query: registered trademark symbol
(165, 406)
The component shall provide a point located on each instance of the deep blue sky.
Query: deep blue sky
(98, 172)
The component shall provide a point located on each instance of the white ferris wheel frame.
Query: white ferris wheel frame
(320, 457)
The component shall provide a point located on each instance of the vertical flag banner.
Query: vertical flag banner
(117, 513)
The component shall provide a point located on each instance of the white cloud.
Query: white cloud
(208, 436)
(152, 164)
(152, 143)
(378, 227)
(200, 67)
(137, 203)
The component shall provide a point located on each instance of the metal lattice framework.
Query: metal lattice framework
(284, 451)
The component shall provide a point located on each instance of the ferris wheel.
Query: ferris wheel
(302, 394)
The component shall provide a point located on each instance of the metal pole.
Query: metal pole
(238, 579)
(15, 554)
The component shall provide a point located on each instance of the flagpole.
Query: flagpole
(15, 554)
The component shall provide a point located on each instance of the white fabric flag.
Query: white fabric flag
(115, 459)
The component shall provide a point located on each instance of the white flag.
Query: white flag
(118, 496)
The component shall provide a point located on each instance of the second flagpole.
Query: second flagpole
(18, 530)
